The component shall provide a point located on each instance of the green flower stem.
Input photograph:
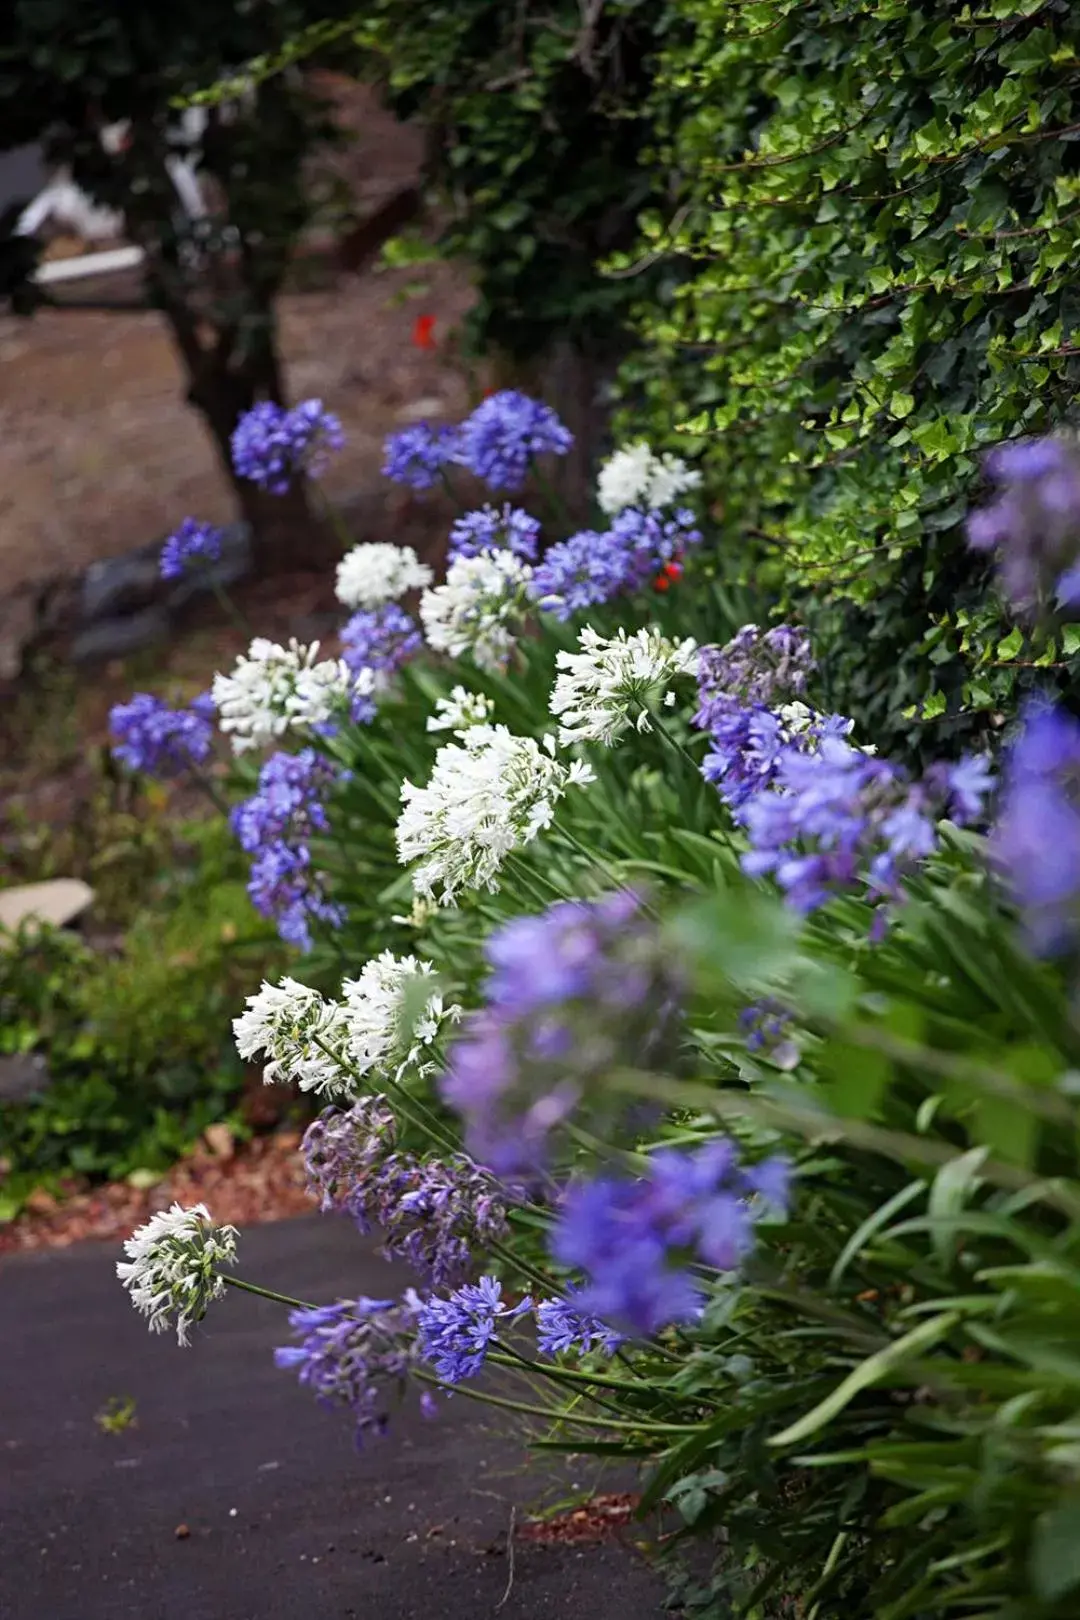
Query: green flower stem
(511, 1358)
(429, 1126)
(331, 514)
(265, 1293)
(236, 615)
(448, 485)
(598, 861)
(533, 880)
(557, 508)
(558, 1417)
(208, 787)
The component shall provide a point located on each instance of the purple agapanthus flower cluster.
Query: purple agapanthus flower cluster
(455, 1334)
(749, 701)
(1036, 842)
(419, 455)
(635, 1241)
(837, 818)
(381, 639)
(766, 1028)
(356, 1354)
(572, 992)
(273, 446)
(755, 669)
(1034, 525)
(594, 567)
(503, 435)
(192, 542)
(438, 1215)
(275, 826)
(491, 530)
(160, 741)
(343, 1146)
(563, 1327)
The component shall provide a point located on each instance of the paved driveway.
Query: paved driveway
(278, 1517)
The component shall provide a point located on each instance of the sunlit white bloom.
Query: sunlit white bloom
(392, 1013)
(460, 710)
(301, 1036)
(373, 574)
(479, 609)
(634, 476)
(173, 1267)
(273, 689)
(613, 683)
(488, 795)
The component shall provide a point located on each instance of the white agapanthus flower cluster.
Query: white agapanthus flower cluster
(173, 1265)
(301, 1036)
(479, 609)
(634, 476)
(490, 794)
(273, 689)
(612, 683)
(460, 711)
(381, 1025)
(390, 1015)
(373, 574)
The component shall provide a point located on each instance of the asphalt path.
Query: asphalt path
(232, 1496)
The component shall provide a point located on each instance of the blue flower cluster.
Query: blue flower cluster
(273, 446)
(594, 567)
(1034, 525)
(192, 542)
(275, 826)
(161, 741)
(455, 1334)
(503, 435)
(562, 1327)
(497, 443)
(572, 992)
(381, 639)
(418, 456)
(490, 530)
(636, 1241)
(766, 1028)
(837, 818)
(353, 1354)
(1036, 842)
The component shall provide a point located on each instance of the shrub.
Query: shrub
(871, 236)
(707, 1082)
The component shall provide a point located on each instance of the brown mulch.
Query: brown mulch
(600, 1519)
(241, 1185)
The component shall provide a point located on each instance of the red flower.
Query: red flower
(423, 333)
(668, 574)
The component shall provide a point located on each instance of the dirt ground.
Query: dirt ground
(99, 452)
